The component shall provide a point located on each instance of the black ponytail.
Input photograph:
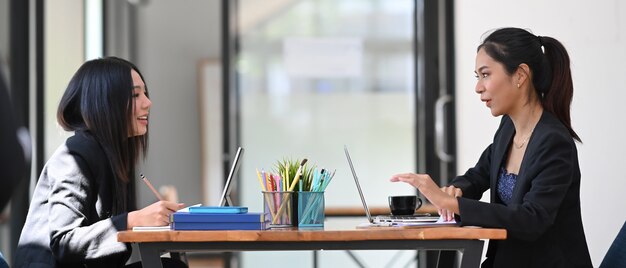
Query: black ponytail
(558, 97)
(548, 61)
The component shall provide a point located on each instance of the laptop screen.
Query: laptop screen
(358, 186)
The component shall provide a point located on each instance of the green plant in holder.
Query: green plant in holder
(287, 169)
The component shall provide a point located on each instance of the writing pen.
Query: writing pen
(144, 179)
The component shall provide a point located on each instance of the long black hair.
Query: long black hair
(550, 67)
(99, 100)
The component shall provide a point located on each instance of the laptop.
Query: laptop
(387, 220)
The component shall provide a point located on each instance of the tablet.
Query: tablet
(233, 169)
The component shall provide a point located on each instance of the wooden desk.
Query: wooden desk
(463, 239)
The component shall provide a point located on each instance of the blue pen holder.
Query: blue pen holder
(311, 210)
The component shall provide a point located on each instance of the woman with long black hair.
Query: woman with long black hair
(532, 165)
(85, 193)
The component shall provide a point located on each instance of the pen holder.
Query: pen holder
(282, 208)
(311, 210)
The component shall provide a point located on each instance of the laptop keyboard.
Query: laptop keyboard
(398, 217)
(420, 218)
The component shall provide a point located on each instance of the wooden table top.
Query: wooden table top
(335, 234)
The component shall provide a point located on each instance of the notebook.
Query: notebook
(389, 220)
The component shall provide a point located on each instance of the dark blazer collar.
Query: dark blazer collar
(502, 143)
(501, 146)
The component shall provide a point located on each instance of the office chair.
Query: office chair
(616, 256)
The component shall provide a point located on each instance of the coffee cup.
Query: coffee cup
(404, 204)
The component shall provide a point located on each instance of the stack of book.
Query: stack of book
(219, 218)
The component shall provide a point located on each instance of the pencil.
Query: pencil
(151, 187)
(258, 174)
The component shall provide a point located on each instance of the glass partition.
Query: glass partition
(315, 75)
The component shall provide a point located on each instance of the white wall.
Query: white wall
(594, 34)
(64, 54)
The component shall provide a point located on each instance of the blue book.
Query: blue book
(220, 210)
(218, 226)
(218, 218)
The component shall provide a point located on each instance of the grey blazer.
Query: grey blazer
(69, 222)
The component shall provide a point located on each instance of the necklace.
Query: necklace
(524, 140)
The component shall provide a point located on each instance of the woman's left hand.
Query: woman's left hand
(419, 181)
(431, 191)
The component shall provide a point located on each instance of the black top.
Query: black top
(543, 218)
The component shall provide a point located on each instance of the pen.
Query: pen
(150, 186)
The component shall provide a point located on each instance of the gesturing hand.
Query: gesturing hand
(447, 204)
(422, 182)
(156, 214)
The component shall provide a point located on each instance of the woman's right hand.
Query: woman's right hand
(157, 214)
(451, 191)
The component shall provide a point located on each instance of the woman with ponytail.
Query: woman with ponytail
(531, 167)
(85, 192)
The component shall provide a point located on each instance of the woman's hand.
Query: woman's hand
(418, 181)
(454, 192)
(157, 214)
(443, 201)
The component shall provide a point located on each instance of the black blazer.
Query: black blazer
(543, 220)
